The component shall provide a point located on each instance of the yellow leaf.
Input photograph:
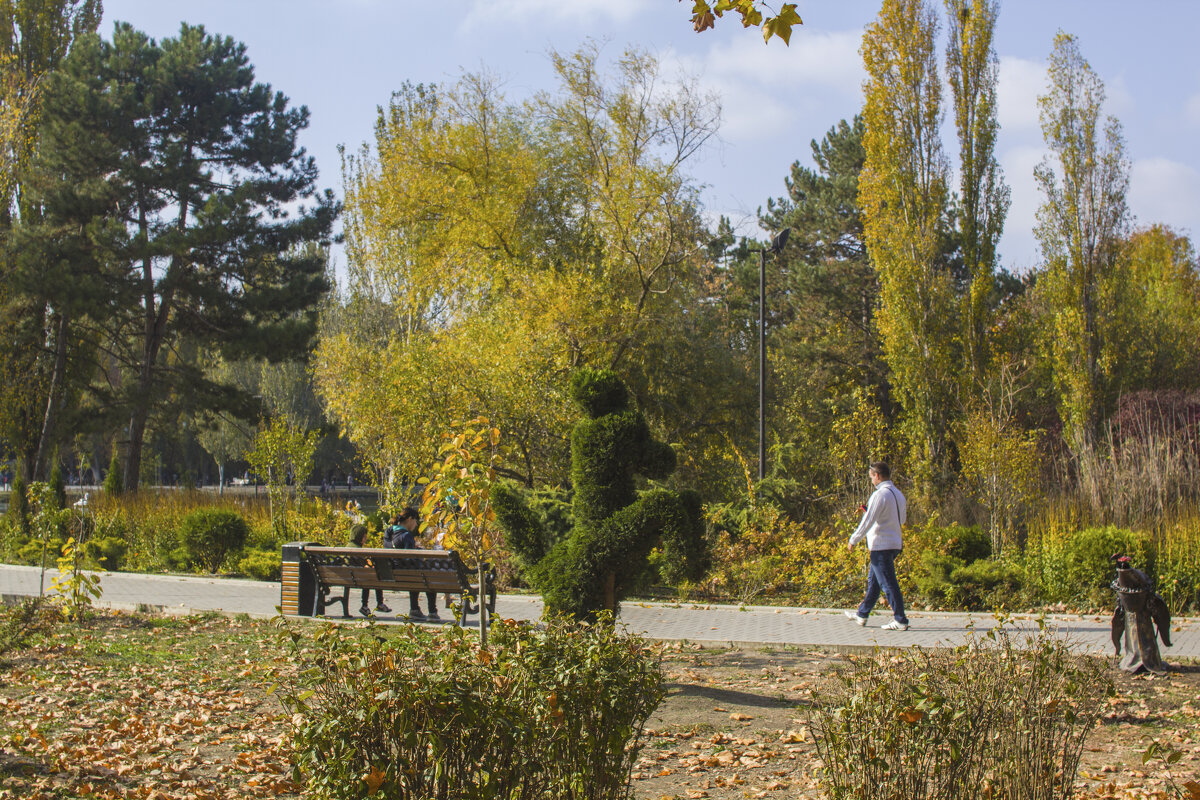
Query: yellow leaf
(911, 716)
(374, 779)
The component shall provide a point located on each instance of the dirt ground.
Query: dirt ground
(735, 724)
(177, 709)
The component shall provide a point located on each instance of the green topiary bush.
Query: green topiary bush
(614, 529)
(210, 536)
(943, 550)
(554, 712)
(1089, 553)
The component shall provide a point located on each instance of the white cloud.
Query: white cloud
(1020, 82)
(765, 91)
(825, 60)
(509, 11)
(1165, 191)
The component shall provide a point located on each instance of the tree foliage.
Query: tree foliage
(972, 68)
(1080, 227)
(213, 198)
(903, 192)
(494, 247)
(705, 16)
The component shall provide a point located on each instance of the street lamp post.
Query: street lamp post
(776, 246)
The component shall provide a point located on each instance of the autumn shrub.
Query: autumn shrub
(262, 565)
(987, 584)
(210, 536)
(999, 717)
(552, 712)
(24, 622)
(951, 568)
(106, 552)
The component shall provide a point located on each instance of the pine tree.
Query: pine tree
(218, 201)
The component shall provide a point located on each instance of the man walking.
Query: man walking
(886, 512)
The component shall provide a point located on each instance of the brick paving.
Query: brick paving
(707, 624)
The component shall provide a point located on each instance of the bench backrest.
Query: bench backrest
(387, 568)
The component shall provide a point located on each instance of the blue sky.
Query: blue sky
(343, 58)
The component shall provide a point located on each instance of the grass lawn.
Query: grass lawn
(132, 706)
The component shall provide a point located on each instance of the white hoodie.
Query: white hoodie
(887, 510)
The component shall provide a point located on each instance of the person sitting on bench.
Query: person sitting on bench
(407, 540)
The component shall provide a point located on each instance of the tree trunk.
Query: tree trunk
(483, 609)
(610, 593)
(57, 381)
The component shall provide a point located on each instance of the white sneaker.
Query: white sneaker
(895, 626)
(856, 619)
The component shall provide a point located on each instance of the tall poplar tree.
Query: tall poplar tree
(903, 195)
(1081, 225)
(35, 36)
(971, 66)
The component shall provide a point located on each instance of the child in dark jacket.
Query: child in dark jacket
(358, 537)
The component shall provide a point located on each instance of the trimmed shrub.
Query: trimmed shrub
(556, 712)
(615, 529)
(262, 565)
(994, 718)
(1089, 554)
(966, 544)
(210, 536)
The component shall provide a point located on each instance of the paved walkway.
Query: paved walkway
(707, 624)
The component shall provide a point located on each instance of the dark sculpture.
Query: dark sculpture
(1139, 612)
(615, 527)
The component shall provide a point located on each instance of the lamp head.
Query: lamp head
(780, 240)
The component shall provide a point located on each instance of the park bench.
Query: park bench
(438, 571)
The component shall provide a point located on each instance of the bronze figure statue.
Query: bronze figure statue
(1139, 612)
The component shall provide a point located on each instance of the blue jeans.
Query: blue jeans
(882, 575)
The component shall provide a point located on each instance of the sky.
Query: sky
(344, 58)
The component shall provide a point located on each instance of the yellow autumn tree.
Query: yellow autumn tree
(902, 190)
(493, 247)
(1081, 225)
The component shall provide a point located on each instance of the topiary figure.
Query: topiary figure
(614, 529)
